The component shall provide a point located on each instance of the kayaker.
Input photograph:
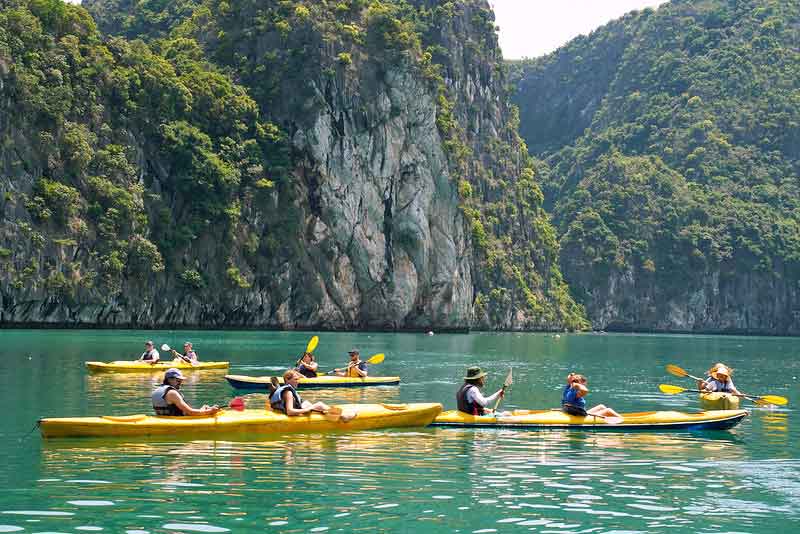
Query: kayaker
(150, 354)
(306, 365)
(355, 368)
(188, 356)
(168, 400)
(719, 380)
(574, 403)
(469, 398)
(286, 399)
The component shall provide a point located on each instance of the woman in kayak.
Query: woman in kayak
(287, 400)
(719, 379)
(150, 354)
(188, 356)
(574, 403)
(168, 400)
(306, 365)
(469, 398)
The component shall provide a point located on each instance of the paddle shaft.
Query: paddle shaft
(748, 397)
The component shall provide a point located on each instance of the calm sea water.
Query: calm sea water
(419, 480)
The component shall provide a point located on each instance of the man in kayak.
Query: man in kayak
(168, 400)
(306, 365)
(574, 403)
(150, 354)
(286, 399)
(355, 369)
(719, 380)
(469, 398)
(188, 356)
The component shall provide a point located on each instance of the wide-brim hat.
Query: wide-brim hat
(721, 371)
(473, 373)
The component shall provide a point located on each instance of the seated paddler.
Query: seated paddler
(286, 399)
(719, 380)
(306, 365)
(469, 397)
(168, 400)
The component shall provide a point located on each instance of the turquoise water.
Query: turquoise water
(418, 480)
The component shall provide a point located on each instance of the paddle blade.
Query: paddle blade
(670, 390)
(677, 371)
(774, 399)
(165, 347)
(376, 358)
(509, 379)
(312, 344)
(236, 404)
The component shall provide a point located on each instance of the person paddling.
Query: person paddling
(150, 354)
(355, 368)
(574, 403)
(188, 356)
(286, 399)
(168, 400)
(306, 365)
(469, 398)
(719, 380)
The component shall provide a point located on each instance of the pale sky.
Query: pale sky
(532, 28)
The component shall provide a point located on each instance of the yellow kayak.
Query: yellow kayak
(138, 366)
(556, 419)
(323, 381)
(240, 424)
(719, 401)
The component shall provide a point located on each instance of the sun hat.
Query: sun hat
(150, 343)
(721, 370)
(473, 373)
(173, 373)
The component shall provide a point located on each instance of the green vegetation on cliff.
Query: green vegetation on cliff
(158, 164)
(683, 192)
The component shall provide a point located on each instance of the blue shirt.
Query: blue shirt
(571, 397)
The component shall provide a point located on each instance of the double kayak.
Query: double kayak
(719, 401)
(139, 366)
(241, 424)
(558, 420)
(262, 382)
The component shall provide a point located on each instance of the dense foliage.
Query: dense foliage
(161, 145)
(689, 164)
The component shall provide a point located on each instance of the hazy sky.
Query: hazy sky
(531, 28)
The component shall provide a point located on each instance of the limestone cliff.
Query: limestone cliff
(276, 164)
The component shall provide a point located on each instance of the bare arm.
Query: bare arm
(288, 402)
(173, 397)
(582, 390)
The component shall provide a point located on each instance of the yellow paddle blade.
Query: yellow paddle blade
(675, 370)
(774, 399)
(670, 390)
(376, 358)
(312, 344)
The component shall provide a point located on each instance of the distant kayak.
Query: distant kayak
(261, 382)
(556, 419)
(719, 401)
(137, 366)
(240, 424)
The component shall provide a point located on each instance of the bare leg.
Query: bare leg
(603, 411)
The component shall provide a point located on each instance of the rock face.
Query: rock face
(673, 140)
(271, 164)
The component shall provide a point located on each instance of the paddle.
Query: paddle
(777, 400)
(507, 383)
(312, 344)
(374, 359)
(679, 371)
(167, 348)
